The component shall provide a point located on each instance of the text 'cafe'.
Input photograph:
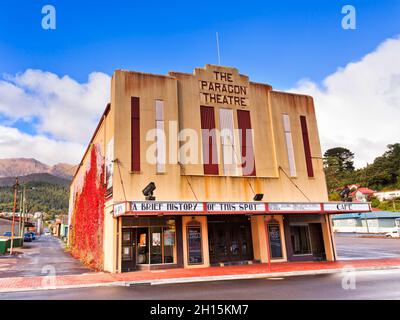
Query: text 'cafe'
(247, 198)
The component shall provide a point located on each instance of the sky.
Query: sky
(47, 77)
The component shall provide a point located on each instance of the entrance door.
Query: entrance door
(128, 249)
(229, 239)
(317, 241)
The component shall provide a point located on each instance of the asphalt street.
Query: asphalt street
(361, 246)
(362, 285)
(40, 257)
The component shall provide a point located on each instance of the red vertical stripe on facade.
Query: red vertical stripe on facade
(210, 158)
(307, 149)
(135, 133)
(248, 161)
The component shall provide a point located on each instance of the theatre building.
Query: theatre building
(199, 169)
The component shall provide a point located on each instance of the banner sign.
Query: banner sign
(347, 207)
(185, 207)
(294, 207)
(235, 207)
(158, 206)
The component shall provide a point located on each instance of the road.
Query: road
(43, 254)
(353, 246)
(368, 285)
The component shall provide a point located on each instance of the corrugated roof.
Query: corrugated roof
(368, 215)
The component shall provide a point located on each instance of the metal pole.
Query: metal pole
(24, 210)
(366, 222)
(219, 56)
(20, 217)
(13, 217)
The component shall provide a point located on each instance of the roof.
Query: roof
(363, 191)
(368, 215)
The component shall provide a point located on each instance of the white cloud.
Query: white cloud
(64, 114)
(63, 108)
(16, 144)
(358, 106)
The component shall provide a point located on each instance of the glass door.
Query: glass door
(128, 249)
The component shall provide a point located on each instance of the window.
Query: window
(160, 137)
(135, 134)
(246, 143)
(155, 239)
(209, 141)
(229, 156)
(307, 149)
(300, 237)
(289, 145)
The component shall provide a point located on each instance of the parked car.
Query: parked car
(27, 237)
(393, 234)
(47, 233)
(7, 234)
(33, 235)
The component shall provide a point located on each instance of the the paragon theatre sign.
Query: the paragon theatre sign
(223, 90)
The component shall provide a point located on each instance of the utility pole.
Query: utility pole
(23, 209)
(13, 217)
(20, 217)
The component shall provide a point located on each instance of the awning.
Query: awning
(128, 208)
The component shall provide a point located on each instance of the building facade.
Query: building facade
(198, 169)
(370, 222)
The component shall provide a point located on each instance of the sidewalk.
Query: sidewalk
(192, 275)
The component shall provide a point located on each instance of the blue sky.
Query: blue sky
(276, 42)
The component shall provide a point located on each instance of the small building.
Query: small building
(370, 222)
(387, 195)
(198, 169)
(362, 194)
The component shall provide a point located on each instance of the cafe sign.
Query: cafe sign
(347, 207)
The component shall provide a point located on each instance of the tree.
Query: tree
(339, 158)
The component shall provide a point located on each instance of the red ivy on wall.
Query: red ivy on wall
(86, 234)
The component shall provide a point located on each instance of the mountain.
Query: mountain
(19, 167)
(35, 177)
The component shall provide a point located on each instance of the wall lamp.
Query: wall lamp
(258, 197)
(148, 191)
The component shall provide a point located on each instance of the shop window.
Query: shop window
(300, 237)
(275, 242)
(229, 156)
(160, 137)
(209, 140)
(142, 246)
(195, 250)
(289, 145)
(307, 148)
(246, 143)
(169, 243)
(156, 244)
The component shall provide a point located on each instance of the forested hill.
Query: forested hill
(381, 175)
(51, 198)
